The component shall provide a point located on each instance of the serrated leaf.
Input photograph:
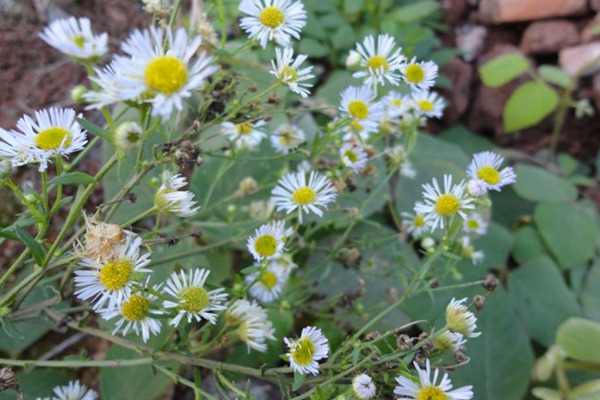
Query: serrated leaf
(503, 69)
(94, 129)
(580, 338)
(537, 184)
(73, 178)
(555, 75)
(542, 304)
(528, 105)
(568, 232)
(36, 249)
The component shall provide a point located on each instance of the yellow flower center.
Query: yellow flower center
(166, 74)
(303, 196)
(473, 224)
(79, 42)
(447, 204)
(425, 105)
(243, 129)
(303, 352)
(268, 280)
(114, 276)
(136, 308)
(53, 138)
(288, 74)
(194, 299)
(489, 175)
(414, 73)
(376, 62)
(418, 221)
(271, 16)
(358, 109)
(351, 156)
(455, 316)
(265, 245)
(431, 393)
(356, 126)
(468, 252)
(396, 102)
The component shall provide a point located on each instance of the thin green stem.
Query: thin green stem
(139, 217)
(77, 363)
(223, 24)
(24, 200)
(14, 266)
(177, 378)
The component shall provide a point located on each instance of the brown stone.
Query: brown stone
(595, 5)
(591, 31)
(460, 74)
(543, 37)
(500, 11)
(454, 10)
(580, 60)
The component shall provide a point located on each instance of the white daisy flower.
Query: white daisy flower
(267, 241)
(353, 60)
(284, 264)
(293, 192)
(54, 132)
(469, 252)
(159, 69)
(286, 138)
(192, 299)
(395, 105)
(267, 284)
(287, 71)
(363, 387)
(415, 224)
(354, 157)
(439, 206)
(474, 224)
(74, 37)
(379, 62)
(419, 75)
(408, 170)
(254, 324)
(427, 103)
(136, 312)
(244, 135)
(485, 167)
(273, 20)
(355, 129)
(359, 105)
(429, 389)
(304, 352)
(170, 200)
(460, 319)
(112, 281)
(108, 90)
(449, 341)
(73, 391)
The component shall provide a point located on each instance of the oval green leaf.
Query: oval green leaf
(580, 338)
(528, 105)
(537, 184)
(503, 69)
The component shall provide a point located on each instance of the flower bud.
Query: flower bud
(353, 60)
(128, 135)
(77, 94)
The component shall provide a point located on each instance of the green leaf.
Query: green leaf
(313, 48)
(541, 298)
(73, 178)
(529, 104)
(503, 69)
(590, 293)
(298, 380)
(415, 11)
(492, 370)
(555, 75)
(528, 244)
(537, 184)
(568, 232)
(9, 233)
(343, 38)
(37, 251)
(139, 382)
(94, 129)
(580, 338)
(567, 164)
(352, 6)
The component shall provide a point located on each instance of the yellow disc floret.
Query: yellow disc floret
(358, 109)
(194, 299)
(431, 393)
(419, 221)
(351, 156)
(473, 224)
(489, 175)
(304, 195)
(303, 352)
(268, 280)
(265, 245)
(114, 276)
(288, 74)
(414, 73)
(375, 63)
(166, 74)
(136, 308)
(79, 42)
(425, 105)
(446, 205)
(53, 138)
(271, 16)
(243, 129)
